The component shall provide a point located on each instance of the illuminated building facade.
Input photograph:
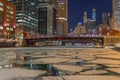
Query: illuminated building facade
(47, 21)
(7, 19)
(85, 18)
(61, 7)
(46, 17)
(116, 14)
(94, 14)
(85, 21)
(26, 18)
(91, 26)
(43, 3)
(105, 19)
(79, 29)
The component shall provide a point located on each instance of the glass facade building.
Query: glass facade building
(94, 14)
(91, 26)
(26, 17)
(47, 20)
(47, 17)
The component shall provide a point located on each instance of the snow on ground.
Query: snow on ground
(82, 77)
(65, 60)
(105, 61)
(94, 72)
(17, 72)
(68, 68)
(116, 70)
(50, 60)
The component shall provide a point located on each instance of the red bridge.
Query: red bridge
(67, 39)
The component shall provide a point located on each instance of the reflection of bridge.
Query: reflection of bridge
(67, 39)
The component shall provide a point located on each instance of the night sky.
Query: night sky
(76, 9)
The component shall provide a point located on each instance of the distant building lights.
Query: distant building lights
(61, 18)
(14, 26)
(80, 23)
(71, 30)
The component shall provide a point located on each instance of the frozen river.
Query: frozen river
(70, 63)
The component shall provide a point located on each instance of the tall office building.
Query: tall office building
(91, 26)
(116, 14)
(46, 17)
(85, 21)
(61, 7)
(105, 19)
(109, 18)
(47, 20)
(85, 18)
(94, 14)
(26, 18)
(7, 19)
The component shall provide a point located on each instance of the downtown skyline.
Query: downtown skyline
(70, 12)
(76, 9)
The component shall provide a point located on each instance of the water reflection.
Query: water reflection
(51, 71)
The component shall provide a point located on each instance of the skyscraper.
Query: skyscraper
(91, 26)
(116, 14)
(94, 14)
(7, 19)
(61, 7)
(85, 18)
(61, 14)
(46, 17)
(26, 17)
(47, 20)
(85, 21)
(105, 19)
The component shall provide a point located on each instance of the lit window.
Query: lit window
(11, 12)
(19, 20)
(1, 27)
(11, 8)
(7, 28)
(9, 0)
(20, 14)
(7, 15)
(8, 7)
(1, 4)
(1, 9)
(11, 29)
(8, 20)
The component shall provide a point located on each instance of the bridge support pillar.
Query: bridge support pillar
(111, 40)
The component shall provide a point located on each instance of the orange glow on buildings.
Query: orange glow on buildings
(116, 14)
(7, 19)
(62, 15)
